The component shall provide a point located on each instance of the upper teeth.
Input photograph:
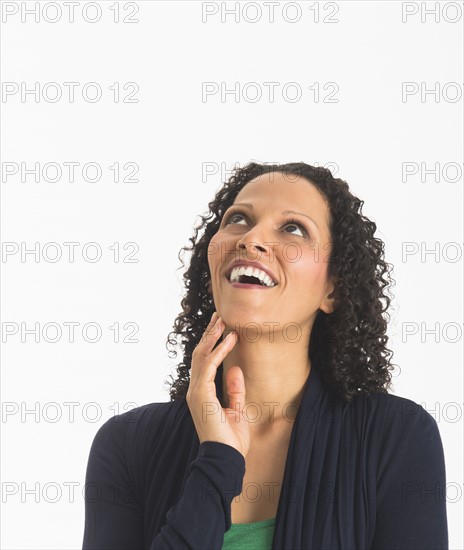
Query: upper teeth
(251, 271)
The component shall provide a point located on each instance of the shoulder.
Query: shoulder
(122, 431)
(393, 413)
(406, 418)
(398, 429)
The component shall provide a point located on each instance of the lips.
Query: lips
(249, 263)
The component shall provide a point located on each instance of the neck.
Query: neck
(275, 374)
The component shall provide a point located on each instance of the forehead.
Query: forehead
(284, 189)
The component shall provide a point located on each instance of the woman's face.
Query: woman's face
(295, 253)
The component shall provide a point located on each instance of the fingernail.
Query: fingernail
(213, 316)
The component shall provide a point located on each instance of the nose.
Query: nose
(243, 245)
(253, 240)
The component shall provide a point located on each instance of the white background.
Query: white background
(170, 133)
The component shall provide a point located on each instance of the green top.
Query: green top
(250, 536)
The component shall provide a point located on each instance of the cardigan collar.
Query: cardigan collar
(296, 514)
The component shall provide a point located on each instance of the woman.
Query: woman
(281, 435)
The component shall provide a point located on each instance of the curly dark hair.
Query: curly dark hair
(351, 341)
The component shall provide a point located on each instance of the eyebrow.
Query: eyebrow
(248, 205)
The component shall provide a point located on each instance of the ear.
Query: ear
(329, 302)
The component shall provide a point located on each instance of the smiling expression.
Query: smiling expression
(281, 222)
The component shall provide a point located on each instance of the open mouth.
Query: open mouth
(250, 278)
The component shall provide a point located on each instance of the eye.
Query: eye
(228, 219)
(233, 215)
(297, 224)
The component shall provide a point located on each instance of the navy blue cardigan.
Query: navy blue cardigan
(365, 475)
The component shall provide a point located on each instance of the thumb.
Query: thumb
(235, 382)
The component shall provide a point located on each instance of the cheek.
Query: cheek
(222, 245)
(215, 248)
(311, 268)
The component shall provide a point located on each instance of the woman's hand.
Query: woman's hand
(212, 422)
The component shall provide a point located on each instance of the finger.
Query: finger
(202, 352)
(211, 334)
(214, 359)
(235, 383)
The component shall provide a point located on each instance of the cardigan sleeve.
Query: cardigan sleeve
(202, 515)
(411, 482)
(114, 514)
